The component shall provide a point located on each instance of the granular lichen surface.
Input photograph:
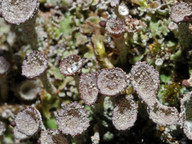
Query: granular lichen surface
(95, 71)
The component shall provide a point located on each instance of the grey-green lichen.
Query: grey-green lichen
(152, 48)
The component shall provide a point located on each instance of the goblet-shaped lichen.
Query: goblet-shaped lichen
(163, 115)
(180, 12)
(53, 137)
(36, 64)
(111, 82)
(145, 81)
(71, 65)
(88, 88)
(125, 113)
(186, 115)
(28, 121)
(72, 119)
(18, 11)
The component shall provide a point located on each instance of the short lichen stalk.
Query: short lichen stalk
(98, 109)
(99, 106)
(71, 66)
(48, 96)
(29, 34)
(2, 131)
(100, 52)
(35, 65)
(76, 78)
(47, 84)
(181, 14)
(47, 102)
(4, 68)
(122, 12)
(4, 88)
(96, 136)
(115, 27)
(23, 14)
(110, 82)
(185, 36)
(120, 44)
(78, 139)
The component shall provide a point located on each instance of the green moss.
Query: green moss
(169, 94)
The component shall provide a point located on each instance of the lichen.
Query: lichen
(135, 48)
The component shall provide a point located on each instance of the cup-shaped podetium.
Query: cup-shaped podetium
(186, 114)
(145, 81)
(111, 82)
(35, 64)
(181, 12)
(125, 113)
(71, 65)
(53, 137)
(28, 121)
(18, 11)
(29, 90)
(88, 88)
(72, 119)
(115, 27)
(163, 115)
(18, 135)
